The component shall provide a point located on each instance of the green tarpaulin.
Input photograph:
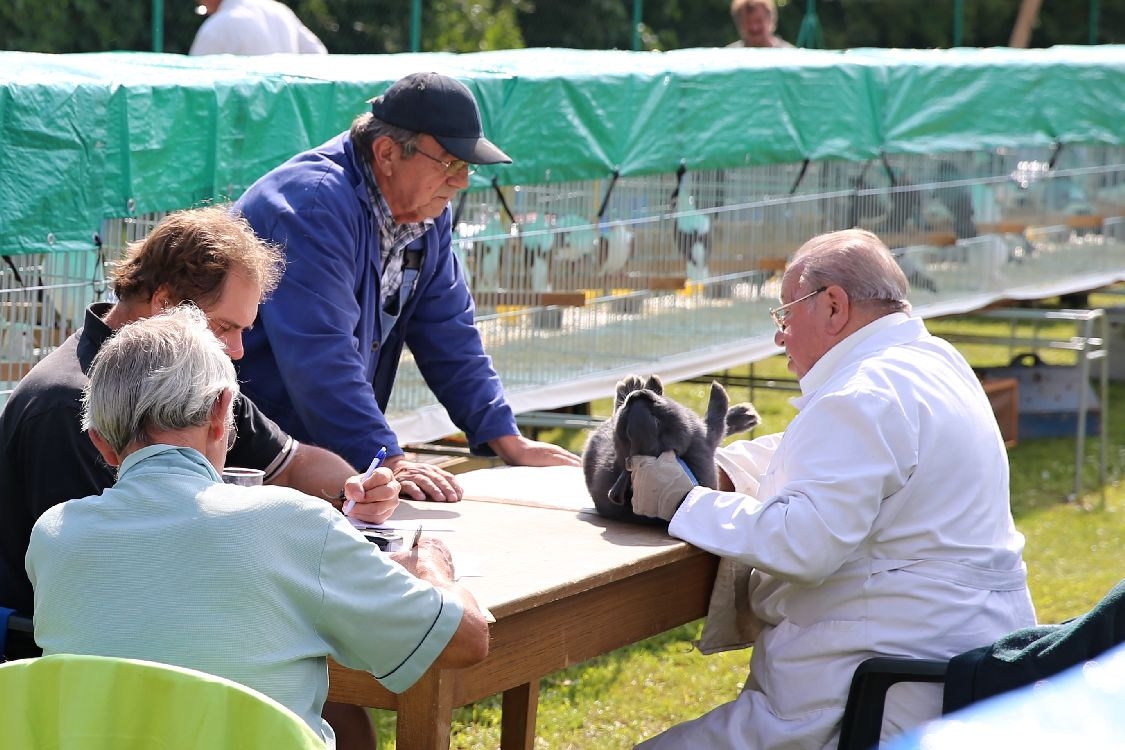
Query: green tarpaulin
(86, 137)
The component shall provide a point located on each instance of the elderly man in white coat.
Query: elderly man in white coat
(877, 524)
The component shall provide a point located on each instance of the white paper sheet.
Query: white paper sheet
(560, 487)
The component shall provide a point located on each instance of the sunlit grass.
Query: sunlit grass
(612, 702)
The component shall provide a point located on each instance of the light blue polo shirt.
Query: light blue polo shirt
(255, 584)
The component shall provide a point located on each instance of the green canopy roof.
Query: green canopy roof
(92, 136)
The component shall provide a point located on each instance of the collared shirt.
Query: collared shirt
(255, 27)
(393, 238)
(832, 360)
(878, 523)
(329, 300)
(46, 458)
(256, 584)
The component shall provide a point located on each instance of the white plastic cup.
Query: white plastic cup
(243, 477)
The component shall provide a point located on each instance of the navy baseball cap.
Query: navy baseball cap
(443, 108)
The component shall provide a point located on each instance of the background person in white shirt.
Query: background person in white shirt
(253, 27)
(877, 524)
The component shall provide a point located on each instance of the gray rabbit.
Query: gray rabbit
(646, 422)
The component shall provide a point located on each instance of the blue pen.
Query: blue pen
(375, 462)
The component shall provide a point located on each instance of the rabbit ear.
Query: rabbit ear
(624, 388)
(716, 418)
(655, 385)
(639, 427)
(621, 493)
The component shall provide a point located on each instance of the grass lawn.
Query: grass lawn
(1073, 555)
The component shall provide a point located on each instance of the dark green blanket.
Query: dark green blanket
(1025, 656)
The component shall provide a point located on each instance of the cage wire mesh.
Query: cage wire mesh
(572, 279)
(575, 279)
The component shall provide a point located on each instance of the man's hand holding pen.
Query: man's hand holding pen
(374, 495)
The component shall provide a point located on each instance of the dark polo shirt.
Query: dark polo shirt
(46, 458)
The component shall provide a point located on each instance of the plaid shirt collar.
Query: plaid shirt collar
(393, 237)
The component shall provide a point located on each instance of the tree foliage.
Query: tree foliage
(600, 24)
(60, 26)
(378, 26)
(468, 26)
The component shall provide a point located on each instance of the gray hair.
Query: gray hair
(161, 373)
(367, 128)
(858, 262)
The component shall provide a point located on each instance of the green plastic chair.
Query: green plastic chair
(78, 702)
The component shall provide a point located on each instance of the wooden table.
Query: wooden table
(564, 586)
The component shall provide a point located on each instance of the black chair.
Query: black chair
(863, 713)
(1016, 660)
(19, 639)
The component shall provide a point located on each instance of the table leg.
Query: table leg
(425, 713)
(517, 720)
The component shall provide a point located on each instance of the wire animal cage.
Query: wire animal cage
(701, 266)
(585, 280)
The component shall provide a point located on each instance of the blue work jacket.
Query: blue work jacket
(317, 360)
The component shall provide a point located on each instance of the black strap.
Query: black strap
(503, 200)
(5, 614)
(412, 259)
(608, 192)
(887, 167)
(460, 209)
(1056, 151)
(800, 177)
(680, 170)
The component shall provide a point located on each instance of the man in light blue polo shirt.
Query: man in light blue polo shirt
(256, 584)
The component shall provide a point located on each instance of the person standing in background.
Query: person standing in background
(756, 22)
(253, 27)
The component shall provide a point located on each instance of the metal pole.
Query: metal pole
(638, 13)
(958, 21)
(810, 35)
(416, 26)
(157, 25)
(1103, 382)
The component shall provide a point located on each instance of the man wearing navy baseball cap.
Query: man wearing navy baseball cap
(443, 108)
(365, 222)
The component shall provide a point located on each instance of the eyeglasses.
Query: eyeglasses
(781, 314)
(452, 167)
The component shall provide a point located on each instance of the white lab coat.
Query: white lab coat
(254, 27)
(879, 526)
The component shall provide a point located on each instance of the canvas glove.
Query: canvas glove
(660, 484)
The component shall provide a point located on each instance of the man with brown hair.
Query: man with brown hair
(208, 257)
(756, 21)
